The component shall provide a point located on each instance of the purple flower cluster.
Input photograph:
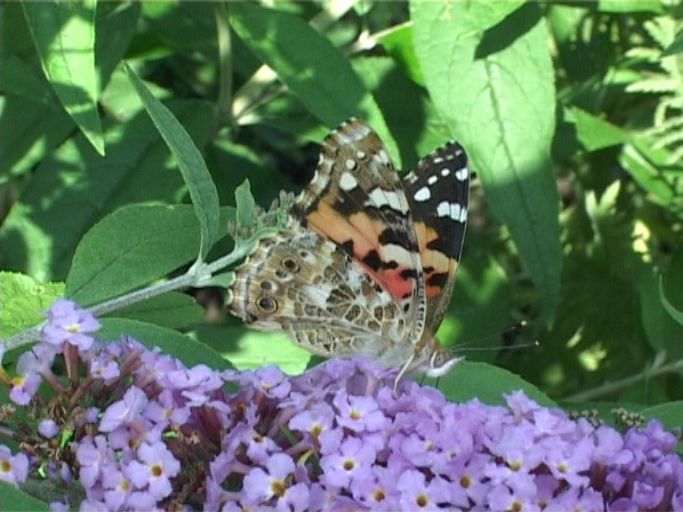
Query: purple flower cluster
(139, 430)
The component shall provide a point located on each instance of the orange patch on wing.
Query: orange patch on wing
(436, 261)
(329, 223)
(364, 231)
(398, 286)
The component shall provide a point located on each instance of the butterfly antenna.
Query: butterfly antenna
(508, 335)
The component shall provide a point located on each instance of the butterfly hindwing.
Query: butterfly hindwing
(307, 286)
(438, 193)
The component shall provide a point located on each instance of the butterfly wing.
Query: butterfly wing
(438, 193)
(356, 200)
(299, 282)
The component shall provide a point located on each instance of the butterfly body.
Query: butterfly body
(367, 262)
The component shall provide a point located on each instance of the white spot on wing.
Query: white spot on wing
(398, 253)
(443, 209)
(432, 180)
(360, 155)
(445, 171)
(379, 198)
(423, 194)
(462, 174)
(350, 164)
(455, 212)
(382, 156)
(438, 159)
(347, 182)
(463, 215)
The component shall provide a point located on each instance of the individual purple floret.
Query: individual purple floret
(13, 468)
(141, 431)
(66, 322)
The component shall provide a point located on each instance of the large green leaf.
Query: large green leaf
(247, 349)
(129, 248)
(496, 90)
(16, 500)
(191, 164)
(312, 68)
(74, 188)
(173, 310)
(23, 300)
(64, 34)
(487, 383)
(670, 414)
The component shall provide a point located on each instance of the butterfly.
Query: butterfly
(367, 262)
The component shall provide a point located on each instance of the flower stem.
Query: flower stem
(197, 275)
(611, 387)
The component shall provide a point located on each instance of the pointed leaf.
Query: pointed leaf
(23, 301)
(474, 79)
(313, 69)
(191, 164)
(64, 34)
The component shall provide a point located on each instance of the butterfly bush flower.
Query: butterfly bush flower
(67, 323)
(137, 430)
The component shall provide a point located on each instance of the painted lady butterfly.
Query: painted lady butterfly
(368, 261)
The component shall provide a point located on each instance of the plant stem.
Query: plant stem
(195, 276)
(611, 387)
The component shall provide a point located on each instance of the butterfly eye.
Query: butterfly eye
(267, 304)
(290, 265)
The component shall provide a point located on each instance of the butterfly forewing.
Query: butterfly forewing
(438, 193)
(356, 200)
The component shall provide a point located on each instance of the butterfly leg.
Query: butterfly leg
(404, 369)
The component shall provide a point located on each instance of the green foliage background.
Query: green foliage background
(571, 113)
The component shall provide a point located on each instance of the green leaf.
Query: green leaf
(662, 330)
(676, 314)
(130, 248)
(173, 310)
(74, 188)
(398, 42)
(311, 67)
(416, 125)
(595, 133)
(23, 301)
(670, 414)
(245, 204)
(248, 350)
(646, 165)
(64, 34)
(631, 6)
(17, 500)
(191, 164)
(671, 287)
(487, 383)
(480, 16)
(675, 47)
(474, 82)
(118, 22)
(36, 130)
(190, 351)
